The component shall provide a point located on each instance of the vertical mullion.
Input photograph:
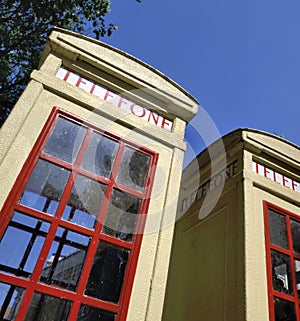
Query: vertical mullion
(292, 262)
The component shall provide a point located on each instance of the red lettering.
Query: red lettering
(165, 122)
(108, 94)
(266, 172)
(92, 89)
(274, 174)
(285, 180)
(80, 81)
(122, 101)
(141, 108)
(153, 115)
(67, 75)
(295, 185)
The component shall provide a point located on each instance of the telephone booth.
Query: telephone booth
(90, 167)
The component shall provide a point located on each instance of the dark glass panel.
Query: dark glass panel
(65, 140)
(88, 313)
(297, 271)
(84, 202)
(278, 231)
(45, 308)
(10, 300)
(46, 184)
(133, 169)
(100, 155)
(121, 215)
(281, 273)
(21, 244)
(284, 310)
(107, 273)
(295, 227)
(65, 259)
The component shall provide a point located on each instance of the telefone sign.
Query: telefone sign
(117, 100)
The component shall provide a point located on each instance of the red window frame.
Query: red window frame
(77, 297)
(272, 294)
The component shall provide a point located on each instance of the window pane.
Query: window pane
(65, 259)
(65, 140)
(297, 271)
(133, 169)
(88, 313)
(84, 202)
(284, 310)
(23, 240)
(107, 273)
(10, 300)
(281, 275)
(100, 155)
(46, 184)
(295, 226)
(121, 216)
(46, 308)
(277, 225)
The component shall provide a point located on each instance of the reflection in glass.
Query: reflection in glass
(133, 169)
(121, 216)
(107, 273)
(277, 225)
(295, 227)
(23, 241)
(84, 202)
(65, 140)
(45, 185)
(45, 308)
(65, 259)
(10, 300)
(297, 271)
(281, 275)
(88, 313)
(100, 155)
(284, 310)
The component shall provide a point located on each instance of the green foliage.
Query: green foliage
(24, 27)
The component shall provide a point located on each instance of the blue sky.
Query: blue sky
(240, 59)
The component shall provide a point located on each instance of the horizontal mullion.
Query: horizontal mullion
(115, 241)
(129, 190)
(56, 161)
(51, 219)
(287, 297)
(94, 176)
(280, 249)
(109, 306)
(14, 280)
(35, 213)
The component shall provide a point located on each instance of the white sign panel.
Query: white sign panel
(117, 100)
(276, 177)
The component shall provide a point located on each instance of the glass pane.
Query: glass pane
(88, 313)
(65, 259)
(295, 227)
(46, 184)
(100, 155)
(65, 140)
(84, 202)
(21, 244)
(297, 271)
(46, 308)
(284, 310)
(10, 300)
(281, 267)
(133, 169)
(121, 216)
(277, 225)
(107, 273)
